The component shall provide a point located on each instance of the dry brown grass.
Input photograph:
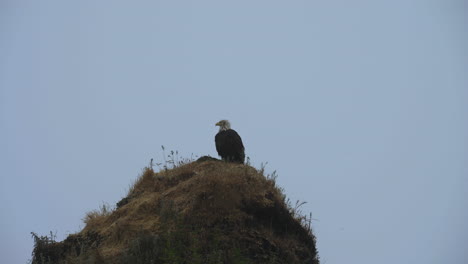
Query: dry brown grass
(96, 218)
(246, 208)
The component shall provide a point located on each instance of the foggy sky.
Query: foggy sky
(360, 107)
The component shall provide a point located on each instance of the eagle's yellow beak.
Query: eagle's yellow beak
(217, 124)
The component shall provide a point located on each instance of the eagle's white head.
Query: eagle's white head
(223, 125)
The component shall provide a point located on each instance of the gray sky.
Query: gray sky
(360, 106)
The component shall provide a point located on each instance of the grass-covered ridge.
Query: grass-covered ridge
(200, 212)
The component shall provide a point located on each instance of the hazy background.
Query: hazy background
(360, 106)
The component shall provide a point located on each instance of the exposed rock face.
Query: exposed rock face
(202, 212)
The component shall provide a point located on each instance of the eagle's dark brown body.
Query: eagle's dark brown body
(229, 146)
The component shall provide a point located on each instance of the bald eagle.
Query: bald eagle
(229, 143)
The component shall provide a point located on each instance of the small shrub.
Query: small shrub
(44, 251)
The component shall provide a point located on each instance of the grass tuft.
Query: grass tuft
(96, 217)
